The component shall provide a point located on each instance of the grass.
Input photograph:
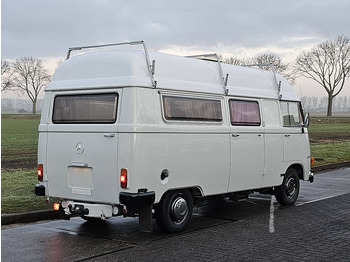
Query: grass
(17, 191)
(330, 139)
(19, 141)
(331, 152)
(330, 143)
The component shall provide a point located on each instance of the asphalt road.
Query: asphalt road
(316, 228)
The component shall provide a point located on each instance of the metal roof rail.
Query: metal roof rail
(150, 66)
(214, 58)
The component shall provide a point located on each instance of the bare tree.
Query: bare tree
(6, 75)
(30, 77)
(232, 60)
(328, 64)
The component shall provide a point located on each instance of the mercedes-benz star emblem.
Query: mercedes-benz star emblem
(79, 148)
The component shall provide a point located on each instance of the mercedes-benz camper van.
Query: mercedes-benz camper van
(137, 133)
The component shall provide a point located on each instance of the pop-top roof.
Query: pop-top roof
(108, 69)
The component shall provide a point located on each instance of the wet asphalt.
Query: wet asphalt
(316, 228)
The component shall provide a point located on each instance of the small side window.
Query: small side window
(192, 109)
(244, 113)
(291, 114)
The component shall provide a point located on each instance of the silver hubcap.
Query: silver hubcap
(179, 209)
(290, 187)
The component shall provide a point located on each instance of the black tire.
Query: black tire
(174, 212)
(288, 192)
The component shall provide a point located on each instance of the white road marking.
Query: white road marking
(319, 199)
(272, 215)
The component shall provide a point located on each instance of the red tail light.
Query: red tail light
(40, 172)
(56, 206)
(124, 178)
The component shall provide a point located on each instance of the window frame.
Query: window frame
(244, 123)
(168, 119)
(115, 111)
(300, 114)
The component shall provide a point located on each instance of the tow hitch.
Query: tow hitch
(78, 210)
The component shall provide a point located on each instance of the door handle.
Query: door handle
(286, 135)
(109, 135)
(78, 164)
(235, 135)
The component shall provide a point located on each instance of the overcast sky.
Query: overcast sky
(47, 28)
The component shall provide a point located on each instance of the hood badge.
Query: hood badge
(80, 148)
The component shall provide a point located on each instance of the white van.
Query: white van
(138, 133)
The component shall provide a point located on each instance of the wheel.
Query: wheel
(174, 212)
(288, 192)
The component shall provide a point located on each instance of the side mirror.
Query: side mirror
(306, 120)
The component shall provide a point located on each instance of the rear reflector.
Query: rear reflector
(124, 178)
(56, 206)
(40, 172)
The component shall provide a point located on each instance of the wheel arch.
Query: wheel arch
(195, 191)
(299, 168)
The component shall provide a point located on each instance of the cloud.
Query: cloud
(44, 28)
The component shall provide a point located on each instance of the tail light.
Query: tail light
(40, 172)
(312, 161)
(124, 178)
(56, 206)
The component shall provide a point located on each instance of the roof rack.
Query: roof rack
(150, 66)
(214, 58)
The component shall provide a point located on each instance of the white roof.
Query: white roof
(110, 69)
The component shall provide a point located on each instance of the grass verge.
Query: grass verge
(19, 141)
(17, 192)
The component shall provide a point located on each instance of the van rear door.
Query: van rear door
(82, 147)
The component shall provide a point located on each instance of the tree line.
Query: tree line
(340, 104)
(327, 63)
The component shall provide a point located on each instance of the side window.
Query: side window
(291, 114)
(244, 113)
(192, 109)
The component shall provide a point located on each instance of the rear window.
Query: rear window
(192, 109)
(85, 109)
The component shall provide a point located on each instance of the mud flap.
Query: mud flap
(145, 219)
(62, 214)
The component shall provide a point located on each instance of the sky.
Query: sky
(242, 28)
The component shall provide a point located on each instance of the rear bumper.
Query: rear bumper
(73, 208)
(137, 200)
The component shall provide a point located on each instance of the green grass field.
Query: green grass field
(330, 139)
(17, 191)
(330, 143)
(19, 141)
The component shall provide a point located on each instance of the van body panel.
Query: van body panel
(195, 161)
(247, 160)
